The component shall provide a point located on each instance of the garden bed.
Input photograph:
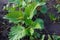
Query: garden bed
(50, 27)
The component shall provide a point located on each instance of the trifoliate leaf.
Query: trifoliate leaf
(15, 16)
(17, 32)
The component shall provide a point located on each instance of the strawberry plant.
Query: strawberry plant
(30, 20)
(24, 25)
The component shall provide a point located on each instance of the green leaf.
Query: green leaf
(11, 0)
(28, 1)
(28, 22)
(18, 2)
(39, 24)
(29, 10)
(58, 8)
(49, 38)
(15, 16)
(11, 9)
(37, 35)
(56, 37)
(23, 4)
(17, 32)
(52, 16)
(43, 36)
(44, 9)
(31, 31)
(14, 1)
(40, 0)
(37, 0)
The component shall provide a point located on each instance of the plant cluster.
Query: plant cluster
(21, 12)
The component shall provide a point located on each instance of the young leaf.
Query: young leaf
(31, 31)
(17, 32)
(37, 26)
(29, 10)
(39, 23)
(52, 16)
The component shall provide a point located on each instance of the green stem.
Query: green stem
(31, 38)
(43, 37)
